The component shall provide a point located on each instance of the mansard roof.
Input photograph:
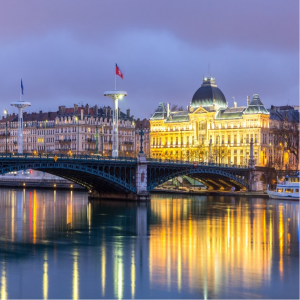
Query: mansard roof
(230, 113)
(256, 106)
(281, 113)
(178, 116)
(160, 113)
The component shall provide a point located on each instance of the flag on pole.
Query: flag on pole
(118, 72)
(22, 88)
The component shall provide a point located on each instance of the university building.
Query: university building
(77, 130)
(210, 131)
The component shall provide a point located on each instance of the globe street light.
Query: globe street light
(115, 95)
(20, 105)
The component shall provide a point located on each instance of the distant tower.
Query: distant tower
(115, 95)
(20, 105)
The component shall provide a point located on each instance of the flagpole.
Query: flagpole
(115, 77)
(21, 90)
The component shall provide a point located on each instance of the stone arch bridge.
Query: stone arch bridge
(128, 178)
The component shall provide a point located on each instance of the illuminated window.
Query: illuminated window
(279, 190)
(297, 190)
(288, 191)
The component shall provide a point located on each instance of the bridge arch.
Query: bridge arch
(87, 176)
(211, 177)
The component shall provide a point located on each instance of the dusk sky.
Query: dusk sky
(65, 51)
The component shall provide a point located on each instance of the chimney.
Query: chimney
(87, 109)
(235, 104)
(95, 109)
(108, 111)
(75, 108)
(61, 109)
(247, 100)
(168, 110)
(128, 113)
(81, 114)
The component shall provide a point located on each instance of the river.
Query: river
(57, 244)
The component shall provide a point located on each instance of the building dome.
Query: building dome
(209, 94)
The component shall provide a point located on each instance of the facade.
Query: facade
(210, 131)
(77, 130)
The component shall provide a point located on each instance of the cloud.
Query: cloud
(163, 54)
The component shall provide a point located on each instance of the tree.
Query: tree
(286, 137)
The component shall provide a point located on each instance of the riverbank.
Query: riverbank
(38, 182)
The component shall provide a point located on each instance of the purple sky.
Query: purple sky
(65, 51)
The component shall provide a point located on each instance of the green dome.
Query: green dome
(209, 95)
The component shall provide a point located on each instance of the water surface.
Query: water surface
(57, 244)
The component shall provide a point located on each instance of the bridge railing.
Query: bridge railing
(196, 164)
(65, 156)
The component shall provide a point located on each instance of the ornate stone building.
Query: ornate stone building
(210, 131)
(75, 130)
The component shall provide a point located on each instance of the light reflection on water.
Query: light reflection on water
(56, 244)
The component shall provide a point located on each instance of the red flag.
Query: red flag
(118, 72)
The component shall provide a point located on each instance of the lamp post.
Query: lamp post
(115, 96)
(219, 149)
(45, 136)
(96, 142)
(102, 142)
(245, 156)
(77, 119)
(6, 113)
(20, 105)
(181, 144)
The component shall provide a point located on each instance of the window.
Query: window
(279, 190)
(297, 190)
(288, 191)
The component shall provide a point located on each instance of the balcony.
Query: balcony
(64, 141)
(90, 140)
(3, 135)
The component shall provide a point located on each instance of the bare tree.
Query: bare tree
(286, 136)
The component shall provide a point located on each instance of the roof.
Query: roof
(178, 116)
(256, 106)
(208, 95)
(292, 115)
(230, 113)
(160, 113)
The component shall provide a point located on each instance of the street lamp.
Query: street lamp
(102, 142)
(45, 136)
(245, 156)
(115, 96)
(219, 149)
(6, 113)
(77, 119)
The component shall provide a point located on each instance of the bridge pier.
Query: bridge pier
(255, 183)
(142, 193)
